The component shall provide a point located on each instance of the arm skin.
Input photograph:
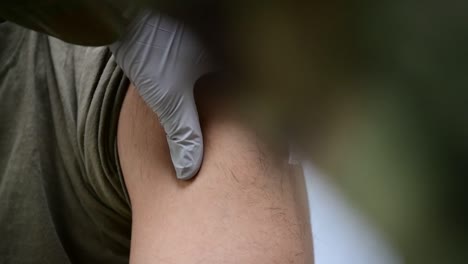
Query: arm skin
(241, 208)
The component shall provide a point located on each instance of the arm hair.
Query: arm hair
(241, 208)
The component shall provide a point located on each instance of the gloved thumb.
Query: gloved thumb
(184, 136)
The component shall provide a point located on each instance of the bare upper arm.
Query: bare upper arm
(240, 208)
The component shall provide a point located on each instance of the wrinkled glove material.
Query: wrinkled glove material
(163, 59)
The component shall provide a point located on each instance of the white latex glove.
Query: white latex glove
(164, 60)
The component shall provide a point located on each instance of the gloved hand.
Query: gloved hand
(163, 60)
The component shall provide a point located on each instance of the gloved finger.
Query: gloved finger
(184, 135)
(164, 60)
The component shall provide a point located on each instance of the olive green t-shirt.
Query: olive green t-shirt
(62, 196)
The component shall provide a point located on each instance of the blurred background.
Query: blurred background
(375, 93)
(341, 232)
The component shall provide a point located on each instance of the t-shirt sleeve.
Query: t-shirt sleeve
(62, 195)
(99, 87)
